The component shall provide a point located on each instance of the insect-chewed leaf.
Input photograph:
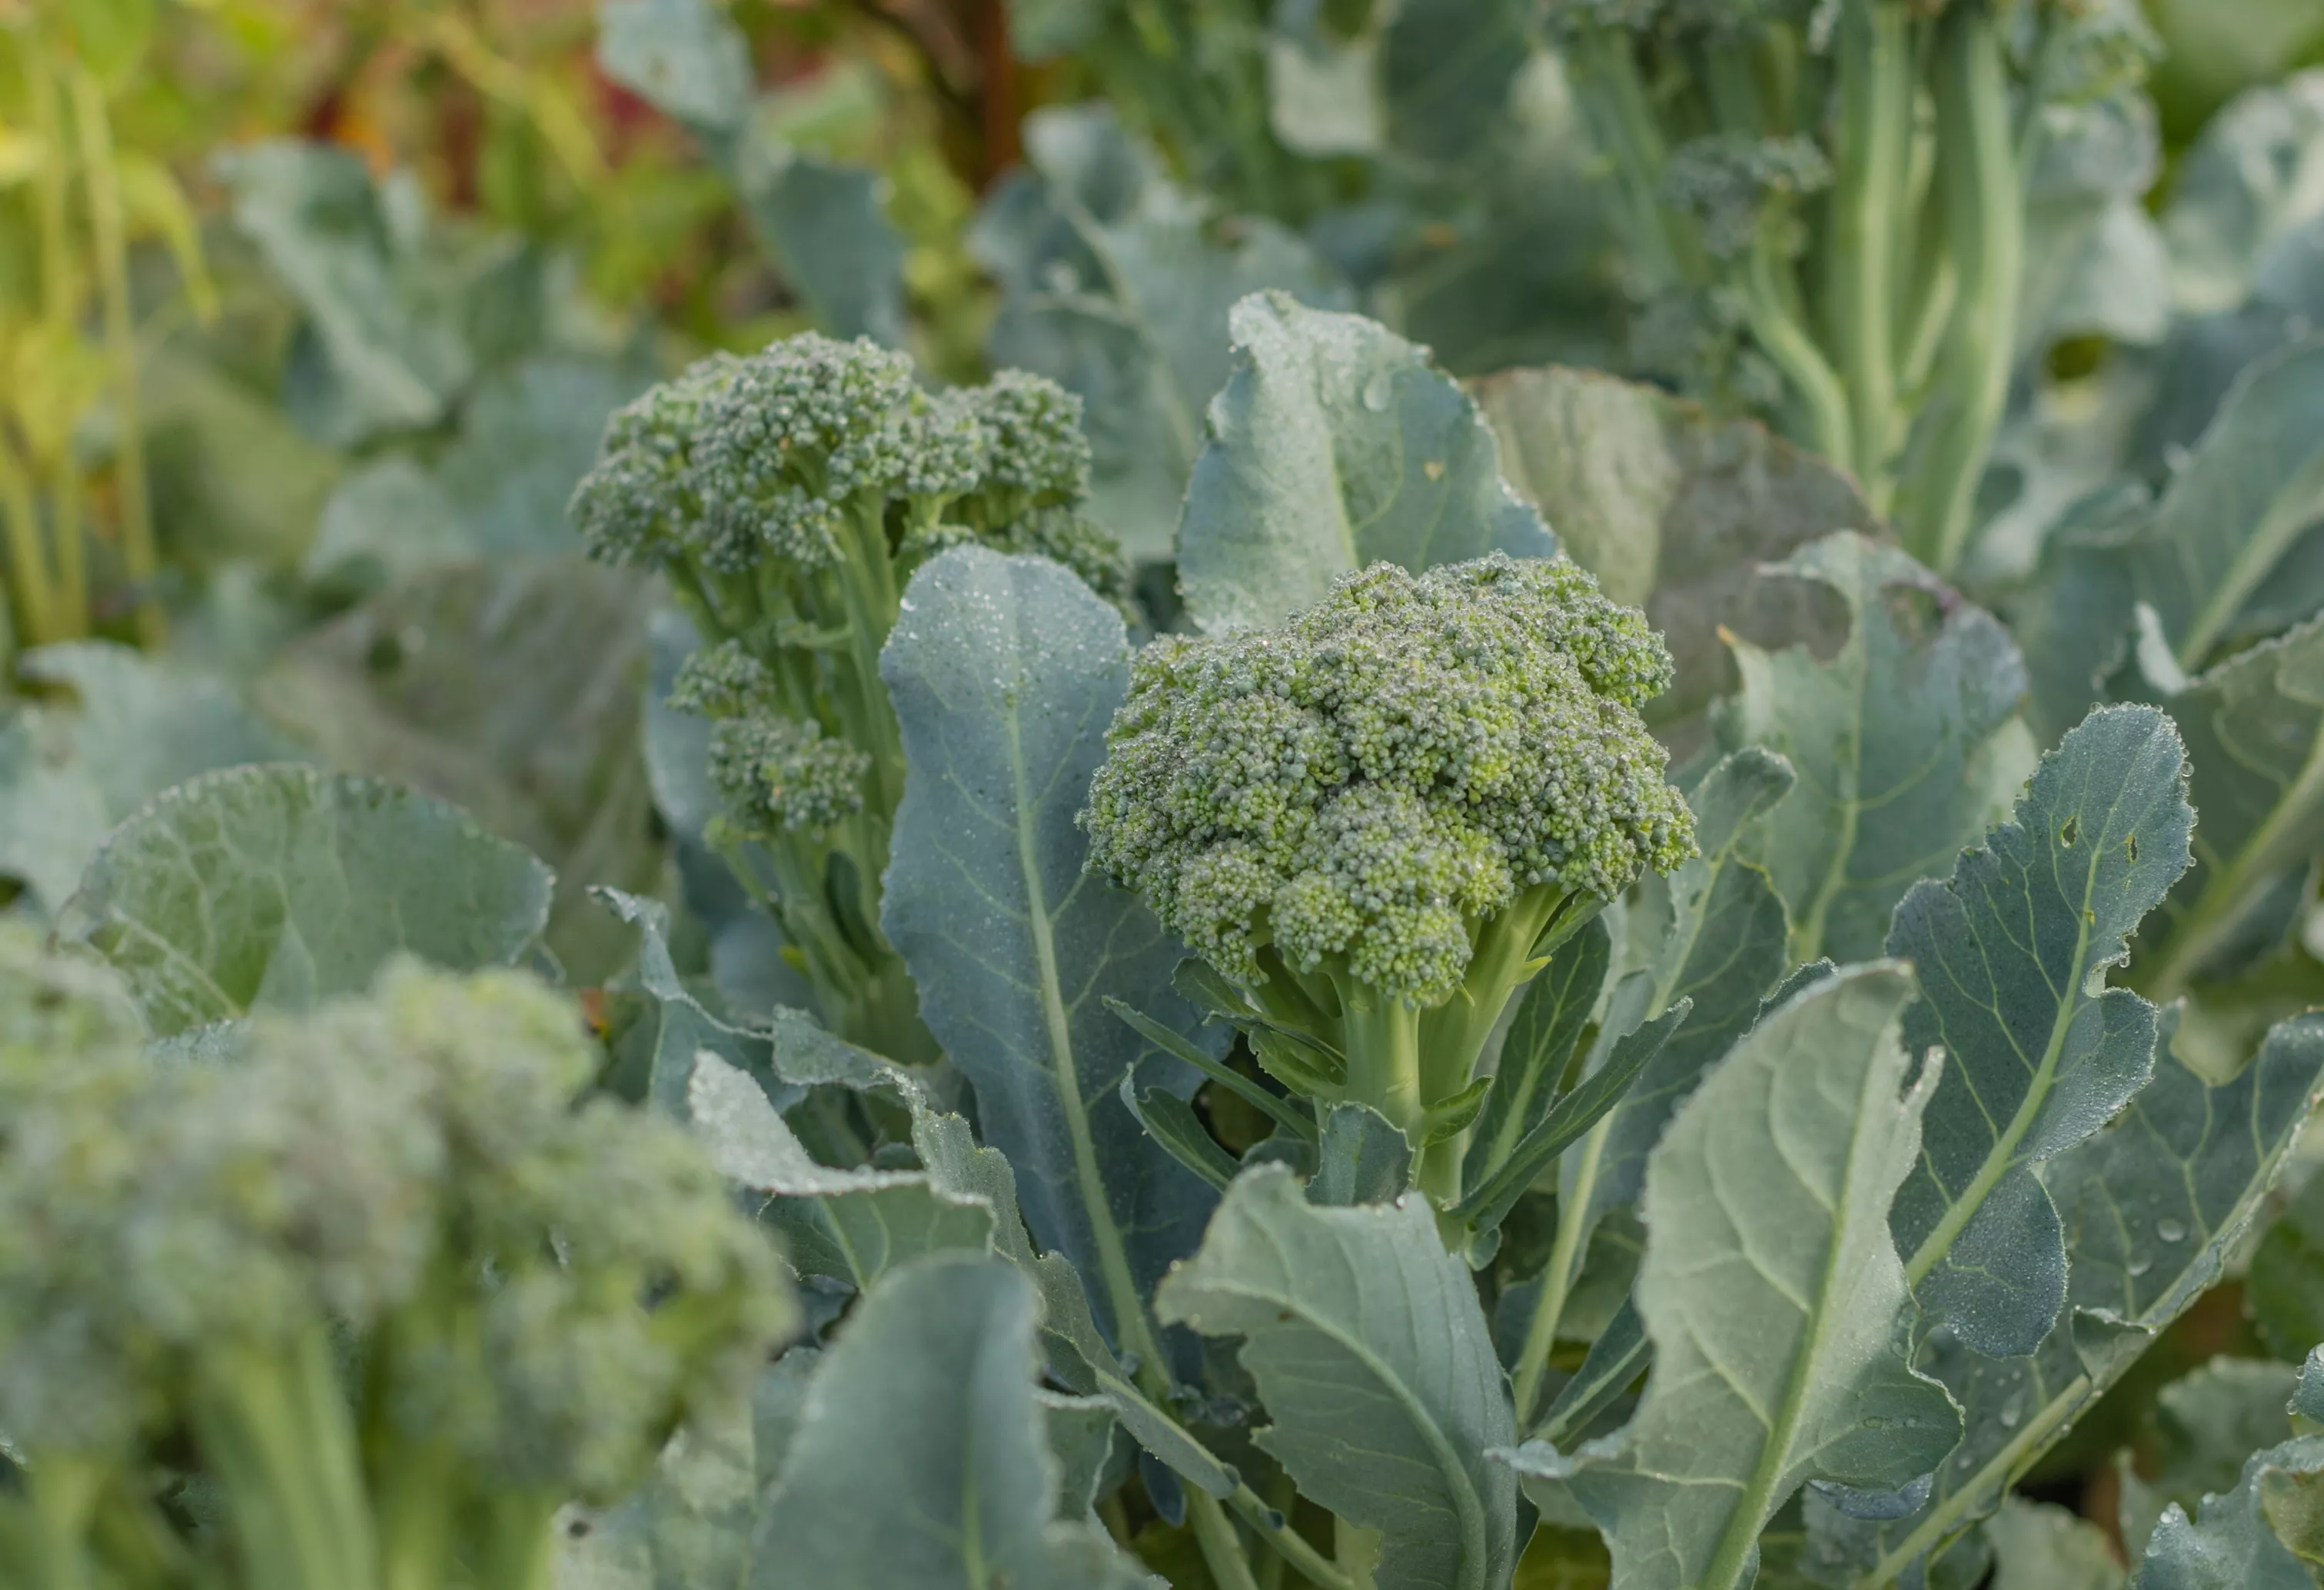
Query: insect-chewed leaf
(279, 885)
(1005, 672)
(2152, 1207)
(1906, 743)
(1771, 1293)
(1375, 1364)
(2012, 950)
(1335, 445)
(921, 1460)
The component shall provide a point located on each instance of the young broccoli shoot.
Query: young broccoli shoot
(378, 1288)
(1379, 819)
(787, 496)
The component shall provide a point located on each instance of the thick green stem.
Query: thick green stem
(63, 1493)
(1383, 1052)
(1622, 121)
(108, 225)
(1767, 308)
(274, 1430)
(1222, 1551)
(32, 587)
(1982, 191)
(61, 309)
(519, 1549)
(870, 603)
(1557, 1278)
(1874, 145)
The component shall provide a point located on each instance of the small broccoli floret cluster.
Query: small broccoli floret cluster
(787, 496)
(1366, 785)
(535, 1290)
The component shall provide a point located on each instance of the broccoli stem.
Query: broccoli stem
(1383, 1051)
(274, 1429)
(63, 1491)
(1981, 191)
(1615, 102)
(518, 1549)
(1874, 145)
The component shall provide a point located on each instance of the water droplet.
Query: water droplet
(2171, 1231)
(1375, 393)
(2140, 1265)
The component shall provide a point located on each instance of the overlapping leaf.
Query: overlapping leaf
(1377, 1369)
(2013, 950)
(278, 885)
(1336, 444)
(1906, 743)
(1005, 672)
(1772, 1292)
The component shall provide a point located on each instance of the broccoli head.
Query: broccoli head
(787, 496)
(1377, 818)
(379, 1285)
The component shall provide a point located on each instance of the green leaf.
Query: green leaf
(2039, 1546)
(1116, 284)
(2094, 262)
(68, 776)
(683, 57)
(1336, 444)
(2255, 729)
(2013, 952)
(1282, 1112)
(2203, 1426)
(1081, 1431)
(547, 756)
(826, 224)
(655, 1055)
(1906, 743)
(2249, 179)
(1005, 672)
(2153, 1208)
(276, 886)
(1374, 1362)
(1171, 1122)
(2254, 483)
(921, 1459)
(1612, 1365)
(1362, 1158)
(1674, 511)
(2262, 1535)
(853, 1225)
(2284, 1291)
(1538, 1047)
(1771, 1293)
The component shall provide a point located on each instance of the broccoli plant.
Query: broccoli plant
(787, 497)
(361, 1304)
(1377, 822)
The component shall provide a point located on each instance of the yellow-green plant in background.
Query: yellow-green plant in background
(77, 515)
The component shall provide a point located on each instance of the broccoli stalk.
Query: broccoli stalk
(1378, 821)
(787, 497)
(360, 1306)
(1867, 157)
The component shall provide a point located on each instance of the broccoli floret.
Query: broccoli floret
(787, 496)
(376, 1285)
(1378, 817)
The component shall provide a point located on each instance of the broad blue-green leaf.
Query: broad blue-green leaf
(1614, 1362)
(2040, 1546)
(826, 224)
(1005, 672)
(2253, 486)
(1538, 1047)
(851, 1225)
(1360, 1157)
(2255, 729)
(2153, 1208)
(1083, 1439)
(278, 885)
(1375, 1367)
(2013, 951)
(921, 1461)
(1335, 445)
(2202, 1427)
(1116, 284)
(2094, 262)
(1906, 743)
(1674, 511)
(547, 755)
(2284, 1291)
(1771, 1293)
(68, 775)
(683, 57)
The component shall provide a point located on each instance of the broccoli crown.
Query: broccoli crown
(780, 774)
(561, 1283)
(1388, 769)
(741, 459)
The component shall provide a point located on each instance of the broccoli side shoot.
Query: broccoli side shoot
(787, 496)
(359, 1306)
(1380, 817)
